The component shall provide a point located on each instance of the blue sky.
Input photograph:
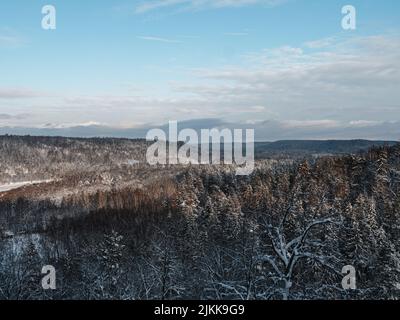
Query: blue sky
(128, 63)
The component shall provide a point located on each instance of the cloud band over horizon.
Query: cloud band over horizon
(176, 67)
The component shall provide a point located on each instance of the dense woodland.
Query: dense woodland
(35, 158)
(284, 232)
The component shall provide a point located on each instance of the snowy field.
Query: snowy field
(16, 185)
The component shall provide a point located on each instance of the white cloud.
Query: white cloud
(149, 6)
(70, 125)
(154, 5)
(361, 77)
(257, 108)
(264, 130)
(158, 39)
(9, 38)
(310, 124)
(8, 41)
(351, 89)
(364, 123)
(321, 43)
(18, 93)
(6, 116)
(236, 34)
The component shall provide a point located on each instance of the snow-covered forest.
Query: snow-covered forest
(115, 229)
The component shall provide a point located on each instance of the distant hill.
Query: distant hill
(27, 149)
(309, 147)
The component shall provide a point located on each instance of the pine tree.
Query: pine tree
(31, 272)
(111, 256)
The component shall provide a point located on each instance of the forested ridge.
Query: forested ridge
(35, 158)
(284, 232)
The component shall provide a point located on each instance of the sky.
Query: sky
(286, 68)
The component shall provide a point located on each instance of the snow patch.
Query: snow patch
(17, 185)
